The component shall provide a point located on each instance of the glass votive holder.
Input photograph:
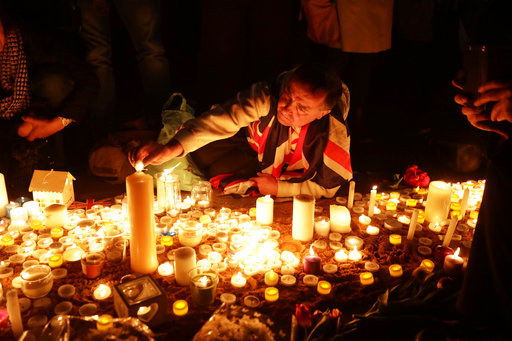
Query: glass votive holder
(203, 285)
(92, 264)
(36, 281)
(190, 234)
(202, 194)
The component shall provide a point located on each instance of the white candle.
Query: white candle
(464, 204)
(303, 217)
(139, 190)
(371, 204)
(365, 220)
(453, 263)
(322, 226)
(351, 190)
(165, 269)
(340, 219)
(288, 280)
(372, 230)
(439, 197)
(341, 256)
(412, 225)
(449, 233)
(238, 280)
(56, 215)
(271, 278)
(3, 196)
(102, 292)
(265, 210)
(13, 308)
(354, 255)
(184, 261)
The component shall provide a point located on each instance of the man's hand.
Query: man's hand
(266, 183)
(154, 153)
(36, 128)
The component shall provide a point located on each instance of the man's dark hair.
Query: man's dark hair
(320, 77)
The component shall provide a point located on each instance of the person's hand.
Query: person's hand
(266, 183)
(501, 94)
(153, 153)
(480, 118)
(36, 128)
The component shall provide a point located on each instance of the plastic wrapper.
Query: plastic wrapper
(67, 327)
(233, 322)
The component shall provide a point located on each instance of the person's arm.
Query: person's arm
(288, 189)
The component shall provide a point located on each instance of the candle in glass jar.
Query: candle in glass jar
(322, 226)
(303, 217)
(203, 286)
(139, 190)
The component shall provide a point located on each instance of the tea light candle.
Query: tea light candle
(166, 241)
(395, 270)
(180, 307)
(355, 255)
(287, 270)
(66, 291)
(165, 269)
(310, 280)
(453, 263)
(102, 292)
(335, 245)
(340, 219)
(238, 280)
(303, 217)
(312, 263)
(219, 247)
(271, 294)
(104, 322)
(265, 210)
(371, 266)
(365, 220)
(271, 278)
(57, 232)
(372, 230)
(411, 202)
(73, 254)
(55, 261)
(288, 280)
(353, 241)
(320, 244)
(395, 239)
(330, 268)
(434, 227)
(391, 206)
(324, 288)
(36, 225)
(335, 236)
(322, 226)
(366, 278)
(427, 265)
(341, 256)
(6, 240)
(424, 250)
(371, 204)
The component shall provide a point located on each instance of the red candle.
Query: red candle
(312, 263)
(92, 264)
(453, 263)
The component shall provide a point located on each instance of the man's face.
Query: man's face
(298, 105)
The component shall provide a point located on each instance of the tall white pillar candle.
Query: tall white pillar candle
(303, 217)
(340, 219)
(464, 204)
(265, 210)
(13, 308)
(184, 261)
(371, 204)
(437, 206)
(3, 195)
(412, 225)
(351, 191)
(139, 190)
(449, 233)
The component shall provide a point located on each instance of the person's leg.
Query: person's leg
(97, 37)
(142, 21)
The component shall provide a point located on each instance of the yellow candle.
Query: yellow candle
(324, 288)
(205, 219)
(36, 224)
(427, 265)
(394, 195)
(455, 206)
(180, 307)
(473, 215)
(391, 206)
(139, 190)
(366, 278)
(395, 270)
(395, 239)
(271, 278)
(55, 261)
(166, 240)
(56, 232)
(104, 322)
(252, 212)
(271, 294)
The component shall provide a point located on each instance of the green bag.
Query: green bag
(175, 112)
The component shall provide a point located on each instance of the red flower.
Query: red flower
(303, 315)
(416, 177)
(335, 313)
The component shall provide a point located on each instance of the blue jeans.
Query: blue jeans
(142, 21)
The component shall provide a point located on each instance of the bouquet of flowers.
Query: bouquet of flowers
(318, 325)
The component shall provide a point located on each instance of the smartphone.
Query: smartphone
(475, 66)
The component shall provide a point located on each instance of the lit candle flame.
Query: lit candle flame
(204, 281)
(311, 251)
(374, 187)
(456, 254)
(139, 166)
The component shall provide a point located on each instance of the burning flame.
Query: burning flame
(456, 253)
(139, 166)
(374, 187)
(311, 251)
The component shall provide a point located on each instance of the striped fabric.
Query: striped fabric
(321, 152)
